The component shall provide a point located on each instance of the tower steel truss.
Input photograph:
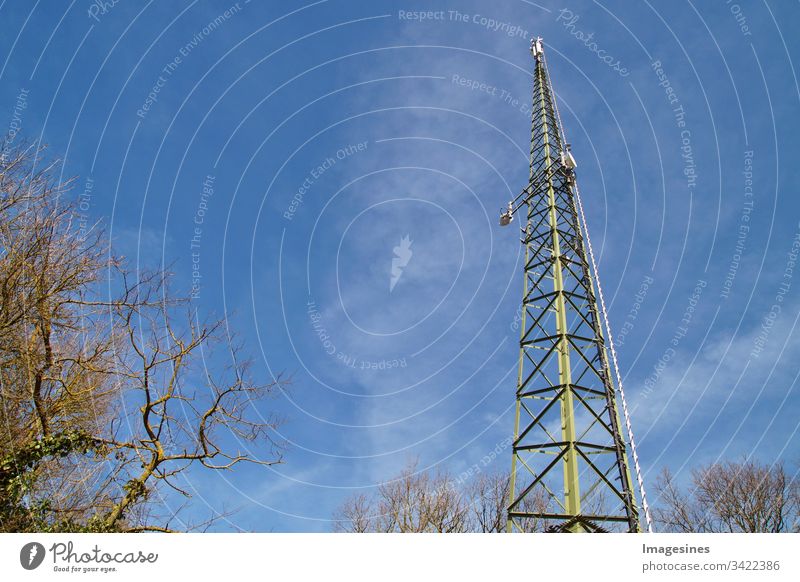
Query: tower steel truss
(570, 469)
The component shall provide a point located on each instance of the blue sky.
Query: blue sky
(331, 130)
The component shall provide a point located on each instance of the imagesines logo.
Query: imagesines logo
(31, 555)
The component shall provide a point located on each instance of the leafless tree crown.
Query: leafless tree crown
(108, 387)
(730, 497)
(432, 501)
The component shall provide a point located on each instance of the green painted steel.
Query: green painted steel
(570, 469)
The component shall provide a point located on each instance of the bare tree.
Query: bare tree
(186, 413)
(432, 501)
(414, 501)
(105, 396)
(730, 497)
(489, 498)
(356, 515)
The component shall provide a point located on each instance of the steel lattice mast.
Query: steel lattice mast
(570, 469)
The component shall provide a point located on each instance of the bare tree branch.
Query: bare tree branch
(105, 398)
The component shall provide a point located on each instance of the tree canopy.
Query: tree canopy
(111, 383)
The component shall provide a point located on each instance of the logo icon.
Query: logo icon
(31, 555)
(402, 254)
